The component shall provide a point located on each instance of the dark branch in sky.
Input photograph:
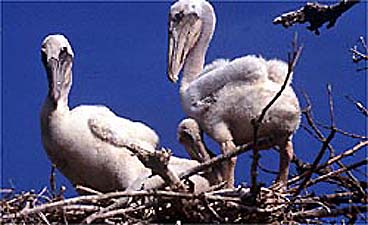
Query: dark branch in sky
(316, 14)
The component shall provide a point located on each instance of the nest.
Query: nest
(236, 205)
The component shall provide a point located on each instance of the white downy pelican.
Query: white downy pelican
(226, 96)
(80, 141)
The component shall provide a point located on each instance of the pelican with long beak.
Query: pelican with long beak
(227, 95)
(83, 142)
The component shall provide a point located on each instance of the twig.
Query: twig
(321, 213)
(325, 143)
(308, 115)
(346, 153)
(345, 133)
(348, 182)
(337, 172)
(292, 60)
(222, 157)
(315, 162)
(115, 212)
(44, 218)
(338, 198)
(358, 105)
(87, 190)
(358, 56)
(267, 170)
(84, 208)
(39, 195)
(330, 103)
(158, 161)
(316, 14)
(321, 138)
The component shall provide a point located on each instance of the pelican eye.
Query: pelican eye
(178, 16)
(63, 53)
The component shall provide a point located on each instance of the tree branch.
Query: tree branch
(292, 60)
(316, 14)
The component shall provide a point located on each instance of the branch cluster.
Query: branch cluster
(360, 53)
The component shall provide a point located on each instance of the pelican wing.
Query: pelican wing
(277, 71)
(216, 64)
(249, 69)
(118, 131)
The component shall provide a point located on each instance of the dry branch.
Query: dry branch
(358, 105)
(360, 55)
(292, 60)
(316, 15)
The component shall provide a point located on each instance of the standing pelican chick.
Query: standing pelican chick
(80, 141)
(226, 96)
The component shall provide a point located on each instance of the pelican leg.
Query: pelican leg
(222, 134)
(286, 155)
(229, 166)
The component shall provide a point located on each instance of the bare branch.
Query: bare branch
(330, 103)
(343, 132)
(358, 105)
(321, 213)
(360, 55)
(158, 162)
(346, 153)
(334, 173)
(316, 14)
(220, 158)
(292, 60)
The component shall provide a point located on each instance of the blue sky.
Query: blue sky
(120, 61)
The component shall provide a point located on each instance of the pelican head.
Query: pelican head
(188, 129)
(187, 21)
(57, 57)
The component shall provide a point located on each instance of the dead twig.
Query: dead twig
(343, 132)
(222, 157)
(358, 105)
(316, 15)
(325, 144)
(292, 60)
(322, 213)
(360, 55)
(331, 174)
(158, 162)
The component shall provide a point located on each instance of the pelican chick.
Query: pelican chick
(190, 136)
(80, 141)
(227, 95)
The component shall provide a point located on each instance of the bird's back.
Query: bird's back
(249, 84)
(87, 160)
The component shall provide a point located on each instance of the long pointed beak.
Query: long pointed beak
(183, 35)
(59, 74)
(56, 78)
